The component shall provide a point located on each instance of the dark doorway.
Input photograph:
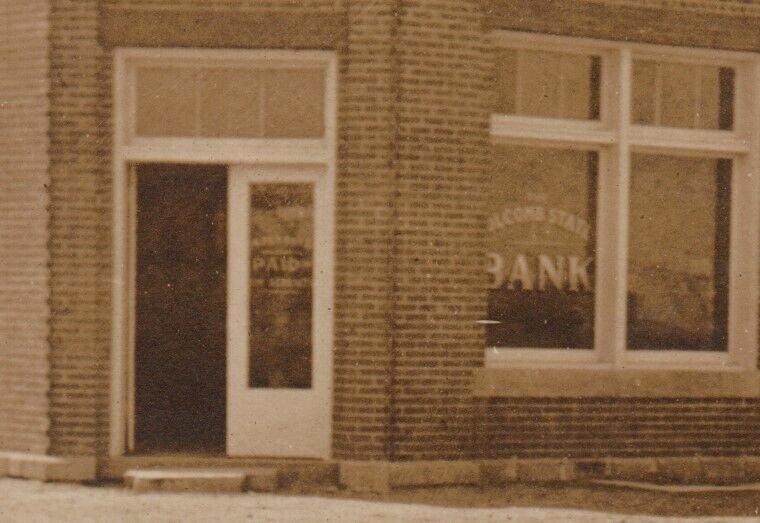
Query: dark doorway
(180, 341)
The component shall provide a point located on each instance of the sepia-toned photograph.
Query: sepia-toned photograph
(380, 260)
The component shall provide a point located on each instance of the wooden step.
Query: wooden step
(186, 480)
(289, 472)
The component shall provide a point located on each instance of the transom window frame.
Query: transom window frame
(152, 148)
(615, 138)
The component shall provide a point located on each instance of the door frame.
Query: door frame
(129, 149)
(317, 398)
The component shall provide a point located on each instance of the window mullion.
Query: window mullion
(624, 177)
(612, 289)
(745, 234)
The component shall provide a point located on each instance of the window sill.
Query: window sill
(557, 382)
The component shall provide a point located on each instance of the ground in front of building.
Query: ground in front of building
(46, 502)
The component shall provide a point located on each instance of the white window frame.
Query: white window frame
(615, 138)
(128, 148)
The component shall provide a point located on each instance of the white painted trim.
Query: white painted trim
(198, 59)
(688, 55)
(622, 174)
(130, 301)
(745, 239)
(244, 58)
(661, 358)
(226, 151)
(550, 129)
(616, 139)
(503, 357)
(117, 411)
(605, 295)
(664, 140)
(127, 148)
(568, 44)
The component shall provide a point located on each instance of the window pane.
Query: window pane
(227, 102)
(230, 103)
(294, 102)
(553, 85)
(684, 95)
(678, 253)
(540, 243)
(280, 284)
(165, 101)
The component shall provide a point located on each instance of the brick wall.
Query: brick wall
(702, 24)
(80, 172)
(24, 273)
(384, 103)
(413, 144)
(364, 236)
(439, 286)
(617, 427)
(413, 100)
(247, 24)
(79, 229)
(608, 426)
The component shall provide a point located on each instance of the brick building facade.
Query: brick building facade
(418, 121)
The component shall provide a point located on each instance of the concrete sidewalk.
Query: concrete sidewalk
(22, 501)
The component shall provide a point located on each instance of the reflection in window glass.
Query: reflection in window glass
(540, 244)
(678, 253)
(548, 84)
(684, 95)
(281, 236)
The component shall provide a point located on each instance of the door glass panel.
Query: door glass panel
(678, 253)
(540, 245)
(280, 283)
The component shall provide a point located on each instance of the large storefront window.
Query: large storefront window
(541, 248)
(622, 209)
(678, 253)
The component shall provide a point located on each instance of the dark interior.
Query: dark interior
(180, 360)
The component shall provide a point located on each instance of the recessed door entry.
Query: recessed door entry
(233, 322)
(180, 302)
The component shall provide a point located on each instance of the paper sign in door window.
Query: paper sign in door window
(280, 285)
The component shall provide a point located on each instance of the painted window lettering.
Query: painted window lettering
(542, 272)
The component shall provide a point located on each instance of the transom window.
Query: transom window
(234, 100)
(622, 205)
(228, 107)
